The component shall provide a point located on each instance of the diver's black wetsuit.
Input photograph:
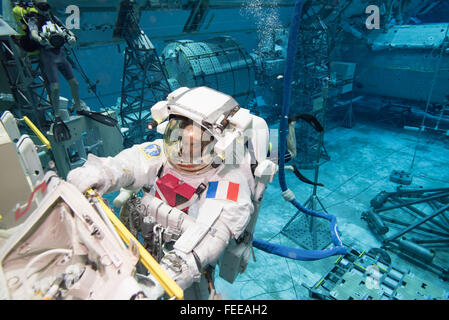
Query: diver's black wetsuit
(52, 59)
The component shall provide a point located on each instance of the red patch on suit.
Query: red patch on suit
(174, 190)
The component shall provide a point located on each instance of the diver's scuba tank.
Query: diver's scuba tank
(21, 13)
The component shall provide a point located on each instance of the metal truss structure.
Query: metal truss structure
(27, 84)
(312, 74)
(414, 223)
(144, 81)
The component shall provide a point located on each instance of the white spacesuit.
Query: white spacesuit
(200, 179)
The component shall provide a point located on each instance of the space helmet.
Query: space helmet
(198, 126)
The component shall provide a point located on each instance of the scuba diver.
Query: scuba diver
(51, 35)
(195, 183)
(21, 11)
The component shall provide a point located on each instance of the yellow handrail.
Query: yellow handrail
(169, 285)
(37, 132)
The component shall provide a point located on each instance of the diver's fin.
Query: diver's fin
(304, 179)
(310, 119)
(97, 116)
(60, 130)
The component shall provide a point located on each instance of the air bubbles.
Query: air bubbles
(266, 17)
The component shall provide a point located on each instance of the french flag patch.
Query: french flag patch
(223, 190)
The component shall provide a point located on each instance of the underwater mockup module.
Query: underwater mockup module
(241, 151)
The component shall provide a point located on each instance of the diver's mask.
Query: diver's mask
(188, 146)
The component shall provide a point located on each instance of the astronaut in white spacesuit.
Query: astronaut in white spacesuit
(200, 179)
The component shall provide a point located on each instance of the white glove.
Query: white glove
(36, 37)
(88, 177)
(71, 40)
(151, 287)
(42, 41)
(127, 289)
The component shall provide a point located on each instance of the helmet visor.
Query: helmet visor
(188, 146)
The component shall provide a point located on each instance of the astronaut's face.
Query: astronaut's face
(188, 146)
(189, 151)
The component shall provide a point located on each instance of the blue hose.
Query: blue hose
(293, 253)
